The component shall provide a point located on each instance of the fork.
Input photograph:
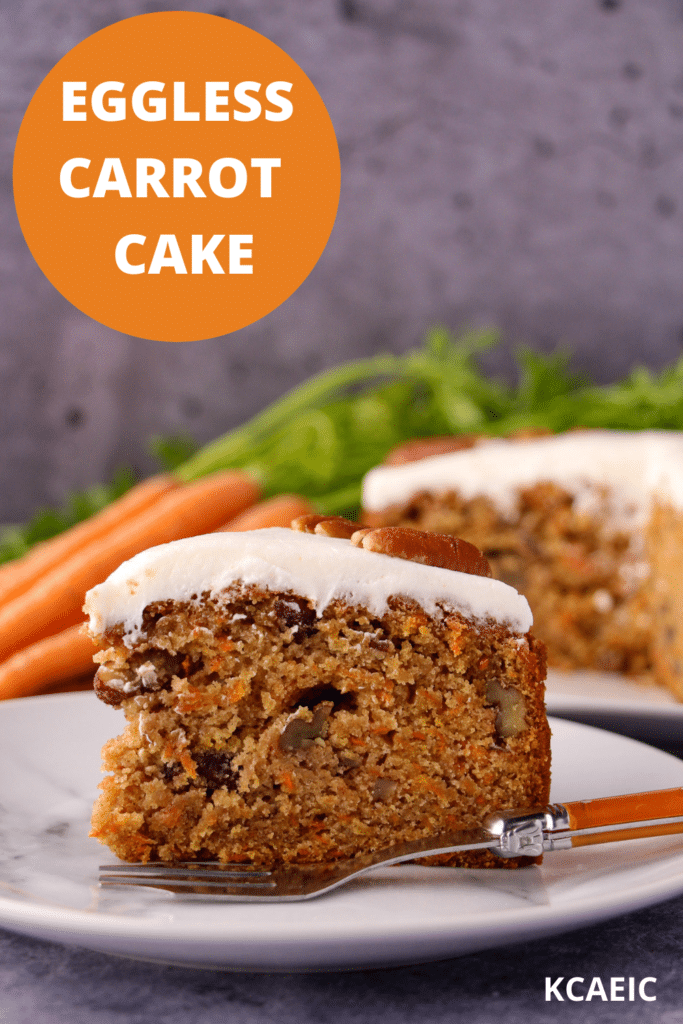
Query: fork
(512, 833)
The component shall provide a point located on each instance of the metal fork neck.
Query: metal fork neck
(529, 834)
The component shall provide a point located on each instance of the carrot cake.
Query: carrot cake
(292, 696)
(587, 524)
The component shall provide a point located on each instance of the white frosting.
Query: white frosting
(318, 568)
(633, 466)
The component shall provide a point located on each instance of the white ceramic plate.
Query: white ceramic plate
(49, 769)
(612, 701)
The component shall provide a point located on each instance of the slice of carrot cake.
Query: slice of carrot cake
(587, 524)
(292, 696)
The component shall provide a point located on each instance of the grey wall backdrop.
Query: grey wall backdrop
(515, 163)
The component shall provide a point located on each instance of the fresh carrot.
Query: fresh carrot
(16, 577)
(56, 600)
(64, 656)
(278, 511)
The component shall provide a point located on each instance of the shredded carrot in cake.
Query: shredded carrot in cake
(314, 745)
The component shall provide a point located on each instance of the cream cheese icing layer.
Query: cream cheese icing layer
(321, 569)
(633, 466)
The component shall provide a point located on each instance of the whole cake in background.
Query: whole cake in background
(300, 696)
(588, 525)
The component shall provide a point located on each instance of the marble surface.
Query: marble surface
(513, 164)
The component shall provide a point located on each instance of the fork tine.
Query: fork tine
(183, 884)
(184, 880)
(189, 870)
(237, 894)
(191, 879)
(198, 878)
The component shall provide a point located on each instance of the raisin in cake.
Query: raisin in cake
(292, 696)
(587, 524)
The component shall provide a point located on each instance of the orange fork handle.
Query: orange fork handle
(642, 832)
(617, 810)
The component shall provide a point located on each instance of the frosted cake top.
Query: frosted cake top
(318, 568)
(631, 465)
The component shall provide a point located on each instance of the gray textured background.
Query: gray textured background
(514, 163)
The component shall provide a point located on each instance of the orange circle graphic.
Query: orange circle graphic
(176, 176)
